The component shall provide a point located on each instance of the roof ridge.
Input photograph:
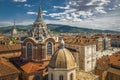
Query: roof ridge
(65, 57)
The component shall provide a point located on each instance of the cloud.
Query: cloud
(60, 7)
(20, 0)
(83, 9)
(44, 11)
(35, 13)
(32, 13)
(109, 21)
(28, 5)
(6, 23)
(105, 22)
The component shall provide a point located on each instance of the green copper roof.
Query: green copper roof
(39, 17)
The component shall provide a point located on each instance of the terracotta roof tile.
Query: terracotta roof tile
(102, 63)
(6, 68)
(33, 67)
(115, 60)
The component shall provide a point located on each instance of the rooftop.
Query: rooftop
(6, 68)
(81, 75)
(29, 66)
(4, 48)
(14, 47)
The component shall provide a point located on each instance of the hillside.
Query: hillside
(57, 28)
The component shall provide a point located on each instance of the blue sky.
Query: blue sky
(95, 14)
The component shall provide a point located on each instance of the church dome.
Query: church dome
(62, 59)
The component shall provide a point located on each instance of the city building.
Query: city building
(10, 51)
(37, 49)
(41, 56)
(115, 40)
(84, 51)
(62, 65)
(108, 67)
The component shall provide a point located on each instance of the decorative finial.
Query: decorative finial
(62, 44)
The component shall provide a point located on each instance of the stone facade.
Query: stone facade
(115, 42)
(65, 73)
(85, 56)
(39, 50)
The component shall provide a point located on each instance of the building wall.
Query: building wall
(115, 42)
(65, 73)
(100, 73)
(39, 49)
(112, 76)
(11, 54)
(85, 56)
(90, 58)
(103, 44)
(99, 44)
(10, 77)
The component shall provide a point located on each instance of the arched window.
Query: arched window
(49, 48)
(29, 49)
(61, 77)
(36, 78)
(51, 76)
(71, 76)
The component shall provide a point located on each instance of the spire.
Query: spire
(62, 44)
(14, 31)
(39, 17)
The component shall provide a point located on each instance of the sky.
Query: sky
(93, 14)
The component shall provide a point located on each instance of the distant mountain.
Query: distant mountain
(57, 28)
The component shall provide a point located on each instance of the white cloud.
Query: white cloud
(60, 7)
(25, 22)
(55, 14)
(28, 5)
(20, 0)
(107, 22)
(84, 9)
(5, 23)
(32, 13)
(21, 22)
(100, 10)
(44, 11)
